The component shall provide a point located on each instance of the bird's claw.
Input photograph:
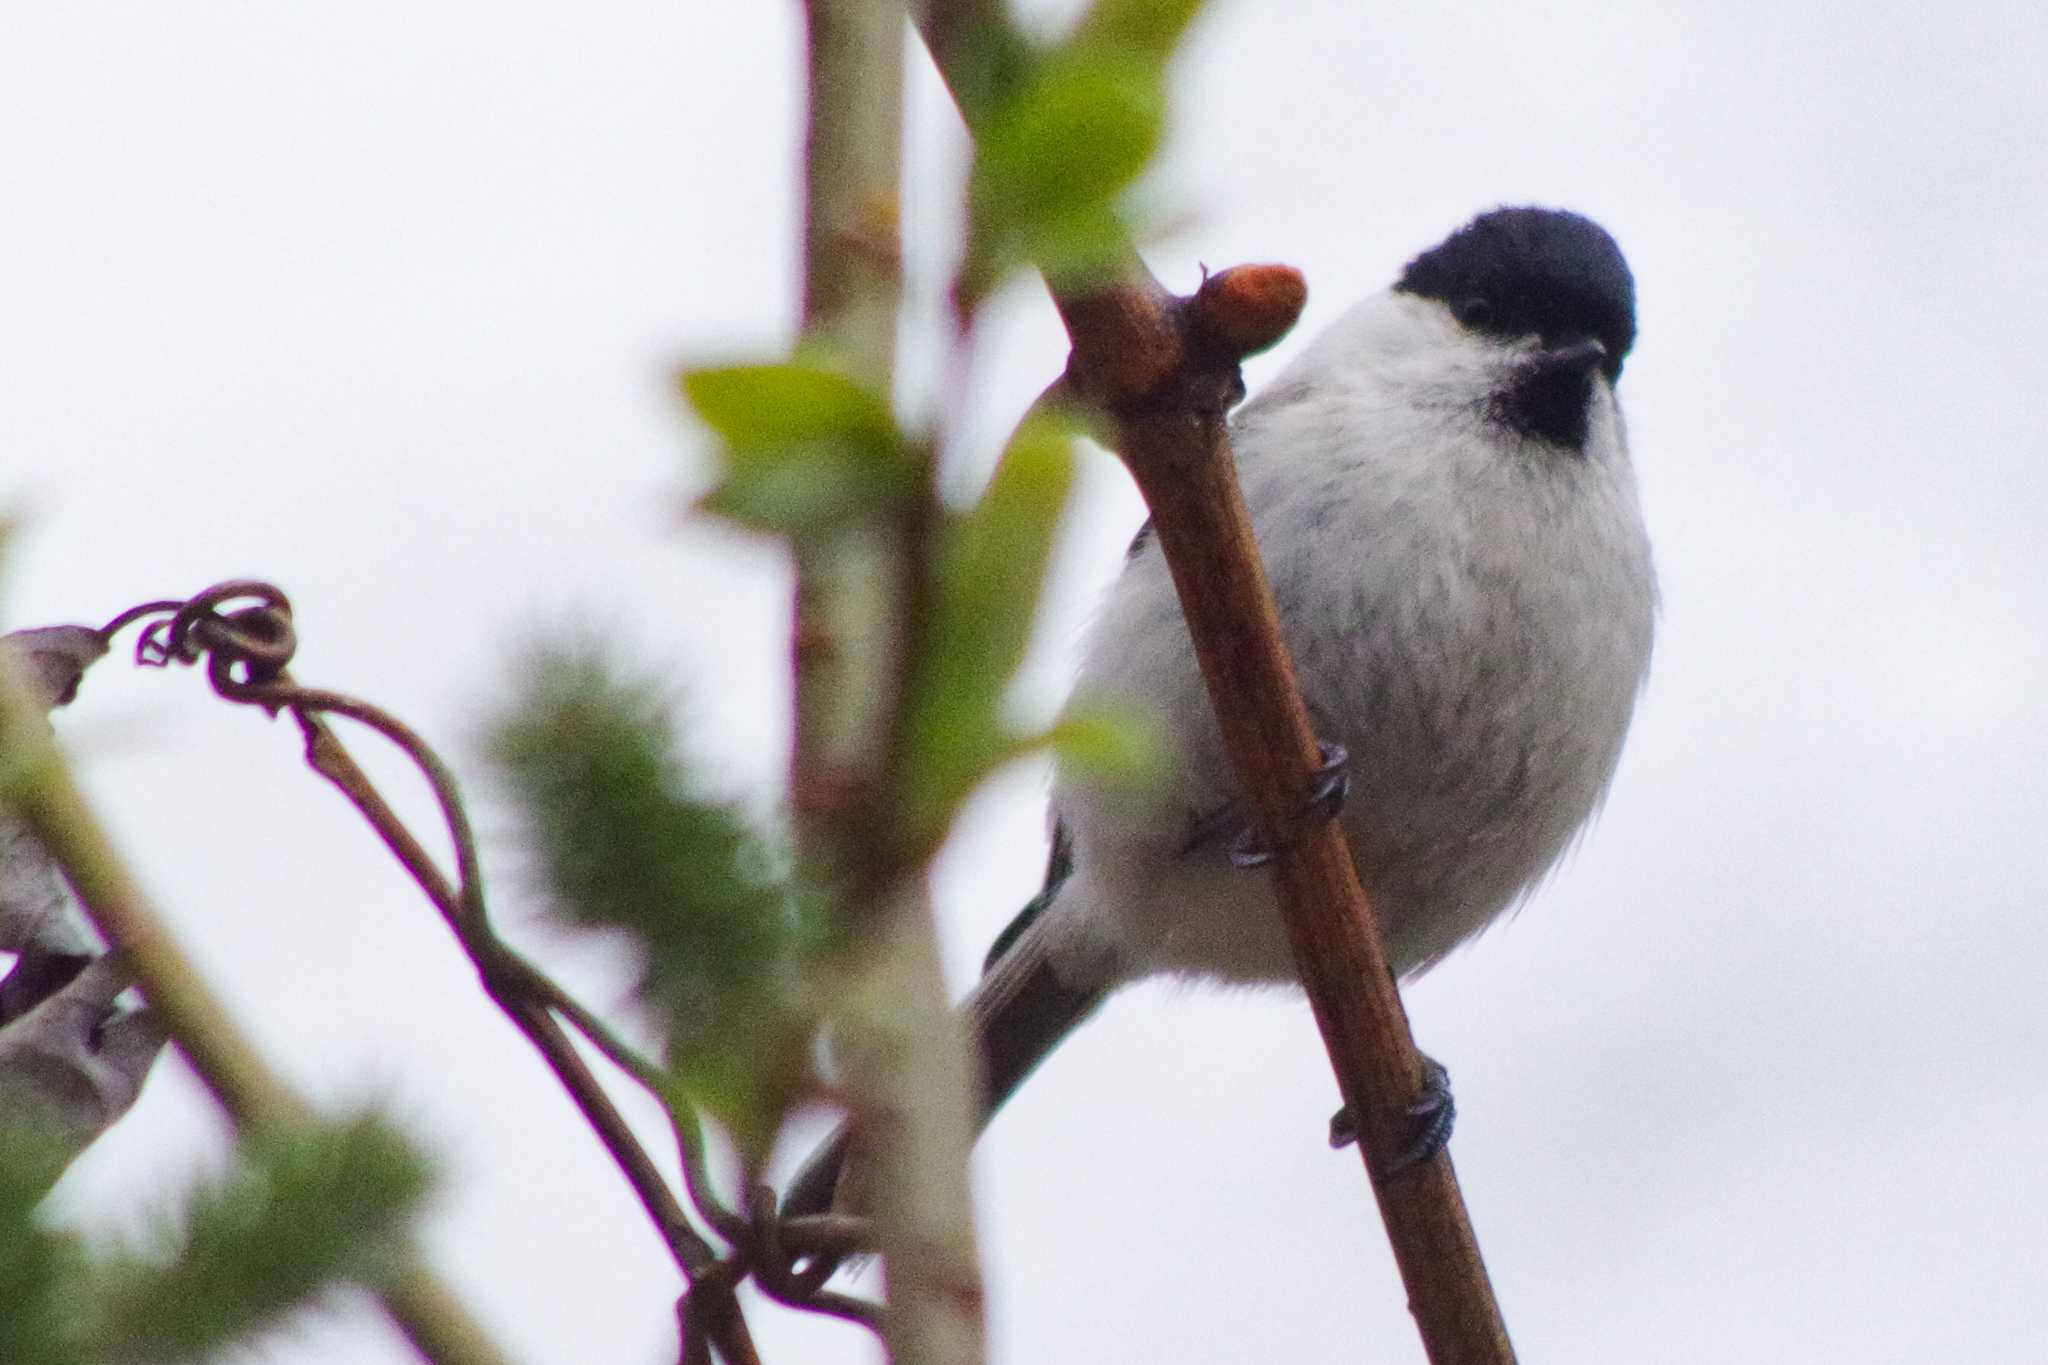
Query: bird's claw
(1431, 1116)
(1326, 798)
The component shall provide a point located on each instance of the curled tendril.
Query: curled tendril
(245, 648)
(160, 607)
(771, 1260)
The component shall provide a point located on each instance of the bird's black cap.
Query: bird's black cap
(1548, 273)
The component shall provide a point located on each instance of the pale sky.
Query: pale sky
(380, 301)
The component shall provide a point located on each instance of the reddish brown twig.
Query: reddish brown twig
(1165, 371)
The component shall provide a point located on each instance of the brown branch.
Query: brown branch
(526, 996)
(1164, 370)
(509, 980)
(709, 1314)
(777, 1240)
(688, 1129)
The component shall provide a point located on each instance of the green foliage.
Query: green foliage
(988, 56)
(1109, 745)
(1140, 28)
(40, 1271)
(988, 577)
(624, 845)
(1051, 162)
(298, 1211)
(1062, 133)
(1060, 138)
(805, 447)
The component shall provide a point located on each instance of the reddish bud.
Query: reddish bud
(1247, 308)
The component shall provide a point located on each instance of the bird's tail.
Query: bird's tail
(1019, 1012)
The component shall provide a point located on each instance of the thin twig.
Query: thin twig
(827, 1234)
(506, 978)
(772, 1260)
(689, 1135)
(246, 652)
(523, 992)
(1165, 371)
(709, 1314)
(689, 1130)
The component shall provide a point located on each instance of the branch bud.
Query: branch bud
(1247, 308)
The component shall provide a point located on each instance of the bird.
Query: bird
(1441, 491)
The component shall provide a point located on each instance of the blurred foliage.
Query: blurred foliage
(805, 447)
(987, 577)
(1141, 29)
(1062, 130)
(41, 1272)
(1109, 745)
(726, 934)
(1061, 133)
(1051, 162)
(591, 758)
(298, 1212)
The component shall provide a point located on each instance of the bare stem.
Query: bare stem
(519, 989)
(859, 602)
(689, 1131)
(775, 1249)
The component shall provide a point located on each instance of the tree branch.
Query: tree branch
(527, 996)
(510, 981)
(861, 598)
(1165, 372)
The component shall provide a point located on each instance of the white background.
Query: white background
(381, 301)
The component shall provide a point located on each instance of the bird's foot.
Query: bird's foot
(1430, 1117)
(1326, 798)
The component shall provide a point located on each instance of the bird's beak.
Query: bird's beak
(1574, 357)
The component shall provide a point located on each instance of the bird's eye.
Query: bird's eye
(1472, 312)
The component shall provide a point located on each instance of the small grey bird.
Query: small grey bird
(1441, 489)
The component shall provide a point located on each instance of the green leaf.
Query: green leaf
(1148, 28)
(805, 446)
(41, 1273)
(1082, 249)
(996, 557)
(987, 58)
(1052, 158)
(624, 844)
(301, 1210)
(988, 579)
(791, 493)
(1112, 746)
(757, 407)
(1079, 132)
